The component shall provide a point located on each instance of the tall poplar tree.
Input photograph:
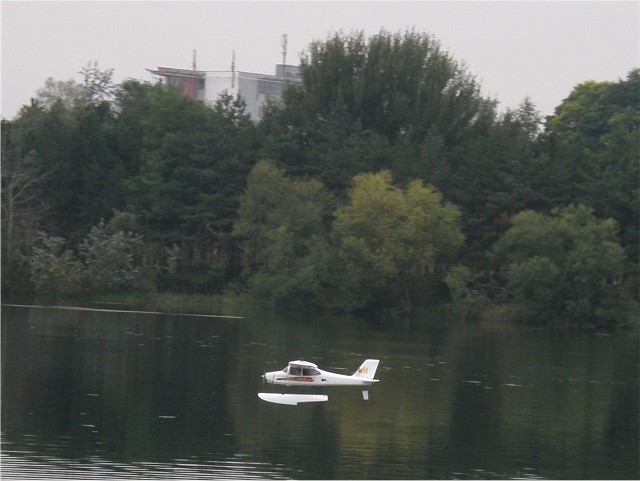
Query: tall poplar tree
(381, 96)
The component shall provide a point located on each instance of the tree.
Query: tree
(69, 93)
(24, 207)
(529, 118)
(467, 289)
(71, 144)
(282, 226)
(111, 258)
(109, 261)
(382, 97)
(393, 245)
(98, 83)
(54, 268)
(394, 84)
(563, 269)
(485, 175)
(398, 102)
(591, 155)
(22, 202)
(259, 213)
(193, 162)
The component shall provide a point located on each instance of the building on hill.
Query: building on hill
(206, 86)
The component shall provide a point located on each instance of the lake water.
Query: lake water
(107, 395)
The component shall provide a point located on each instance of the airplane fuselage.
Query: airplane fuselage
(324, 378)
(308, 374)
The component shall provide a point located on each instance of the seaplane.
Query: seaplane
(303, 373)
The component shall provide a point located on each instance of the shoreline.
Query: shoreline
(91, 309)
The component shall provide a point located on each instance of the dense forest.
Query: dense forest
(383, 182)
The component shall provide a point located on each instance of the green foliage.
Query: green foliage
(393, 245)
(67, 93)
(389, 247)
(394, 84)
(111, 258)
(98, 83)
(190, 179)
(591, 147)
(398, 102)
(72, 149)
(466, 288)
(485, 175)
(191, 167)
(282, 227)
(566, 268)
(368, 104)
(259, 213)
(109, 261)
(55, 270)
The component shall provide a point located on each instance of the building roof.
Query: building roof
(177, 72)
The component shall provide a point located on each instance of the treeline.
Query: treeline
(384, 182)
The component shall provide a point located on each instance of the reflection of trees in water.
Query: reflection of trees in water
(469, 400)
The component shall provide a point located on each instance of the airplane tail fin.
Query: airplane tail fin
(368, 369)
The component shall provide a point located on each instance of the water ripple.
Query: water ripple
(21, 464)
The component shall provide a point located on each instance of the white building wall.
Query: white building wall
(256, 89)
(249, 91)
(216, 83)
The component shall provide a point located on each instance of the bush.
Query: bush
(109, 261)
(565, 268)
(54, 269)
(110, 258)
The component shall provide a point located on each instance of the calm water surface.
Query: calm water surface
(90, 395)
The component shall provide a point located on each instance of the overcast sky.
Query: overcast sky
(515, 49)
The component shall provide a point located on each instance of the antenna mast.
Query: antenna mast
(284, 50)
(233, 69)
(193, 64)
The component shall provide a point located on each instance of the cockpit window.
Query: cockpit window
(310, 372)
(295, 371)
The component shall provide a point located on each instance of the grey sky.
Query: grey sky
(515, 49)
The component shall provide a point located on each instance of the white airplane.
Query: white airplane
(303, 373)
